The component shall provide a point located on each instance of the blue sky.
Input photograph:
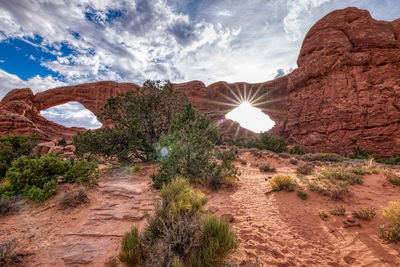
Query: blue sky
(45, 44)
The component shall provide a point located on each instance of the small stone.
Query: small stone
(212, 209)
(228, 217)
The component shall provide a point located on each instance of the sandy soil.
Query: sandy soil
(274, 229)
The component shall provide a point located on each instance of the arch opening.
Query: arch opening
(71, 114)
(251, 118)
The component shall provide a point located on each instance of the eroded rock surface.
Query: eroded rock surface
(345, 92)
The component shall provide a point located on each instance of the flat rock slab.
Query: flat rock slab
(122, 189)
(126, 216)
(77, 259)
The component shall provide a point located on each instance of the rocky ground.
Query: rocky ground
(274, 228)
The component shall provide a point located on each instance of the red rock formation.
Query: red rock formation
(345, 92)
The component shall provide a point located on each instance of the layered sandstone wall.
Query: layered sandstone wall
(345, 92)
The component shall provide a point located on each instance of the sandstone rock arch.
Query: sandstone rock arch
(345, 91)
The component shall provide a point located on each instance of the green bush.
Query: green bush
(188, 150)
(62, 142)
(83, 171)
(217, 242)
(14, 146)
(322, 157)
(360, 153)
(36, 177)
(394, 160)
(140, 118)
(282, 182)
(264, 141)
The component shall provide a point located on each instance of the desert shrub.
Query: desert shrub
(188, 150)
(132, 252)
(6, 206)
(140, 118)
(282, 182)
(14, 146)
(360, 153)
(338, 211)
(284, 155)
(267, 168)
(71, 200)
(293, 161)
(393, 178)
(322, 157)
(82, 171)
(264, 141)
(178, 231)
(62, 142)
(302, 194)
(365, 214)
(296, 150)
(394, 160)
(8, 253)
(323, 215)
(314, 186)
(392, 214)
(179, 197)
(243, 162)
(36, 177)
(217, 242)
(305, 169)
(336, 191)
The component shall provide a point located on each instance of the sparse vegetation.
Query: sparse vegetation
(365, 214)
(267, 168)
(392, 214)
(322, 157)
(305, 169)
(338, 211)
(8, 253)
(293, 161)
(264, 141)
(179, 232)
(394, 160)
(282, 182)
(323, 215)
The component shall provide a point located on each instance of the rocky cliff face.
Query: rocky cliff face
(345, 92)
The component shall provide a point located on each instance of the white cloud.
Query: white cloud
(10, 81)
(293, 21)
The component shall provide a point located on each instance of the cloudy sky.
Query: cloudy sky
(50, 43)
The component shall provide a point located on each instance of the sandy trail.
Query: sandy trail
(279, 229)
